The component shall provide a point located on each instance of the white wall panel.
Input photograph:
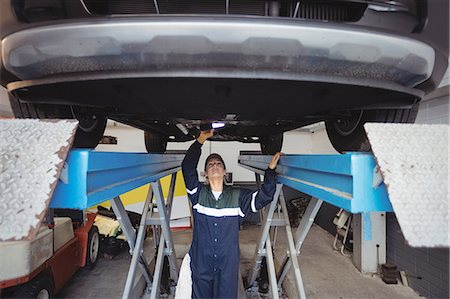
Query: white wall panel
(297, 142)
(435, 111)
(129, 139)
(5, 107)
(321, 144)
(446, 79)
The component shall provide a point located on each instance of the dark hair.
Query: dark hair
(214, 156)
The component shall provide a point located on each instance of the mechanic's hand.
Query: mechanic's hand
(273, 163)
(205, 135)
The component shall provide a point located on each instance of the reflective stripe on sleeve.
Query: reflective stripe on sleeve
(253, 202)
(193, 191)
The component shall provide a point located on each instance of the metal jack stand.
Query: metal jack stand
(294, 247)
(164, 242)
(264, 248)
(93, 177)
(347, 181)
(343, 221)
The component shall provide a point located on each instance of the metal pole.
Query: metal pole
(158, 270)
(271, 270)
(292, 251)
(263, 237)
(275, 229)
(173, 180)
(137, 255)
(307, 221)
(124, 221)
(165, 226)
(164, 211)
(300, 235)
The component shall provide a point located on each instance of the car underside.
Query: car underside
(172, 68)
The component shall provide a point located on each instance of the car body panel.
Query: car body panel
(262, 67)
(257, 48)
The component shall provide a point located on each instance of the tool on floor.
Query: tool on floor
(389, 273)
(343, 221)
(404, 278)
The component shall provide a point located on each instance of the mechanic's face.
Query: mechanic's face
(215, 169)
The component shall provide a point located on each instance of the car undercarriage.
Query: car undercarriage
(262, 68)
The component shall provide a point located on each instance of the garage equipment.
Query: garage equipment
(37, 259)
(343, 221)
(88, 178)
(46, 263)
(91, 177)
(348, 181)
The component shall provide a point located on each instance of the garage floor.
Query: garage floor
(326, 273)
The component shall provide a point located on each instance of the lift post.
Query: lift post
(91, 177)
(350, 181)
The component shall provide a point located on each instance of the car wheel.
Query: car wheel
(40, 287)
(271, 144)
(155, 142)
(89, 132)
(90, 128)
(347, 133)
(92, 249)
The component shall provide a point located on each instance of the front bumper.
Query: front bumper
(215, 47)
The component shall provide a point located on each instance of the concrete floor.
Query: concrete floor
(326, 273)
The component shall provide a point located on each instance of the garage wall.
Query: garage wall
(229, 152)
(132, 140)
(5, 108)
(435, 111)
(429, 263)
(432, 264)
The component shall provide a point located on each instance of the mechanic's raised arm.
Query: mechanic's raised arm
(265, 195)
(252, 201)
(189, 166)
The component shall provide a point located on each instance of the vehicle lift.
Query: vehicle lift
(89, 178)
(349, 181)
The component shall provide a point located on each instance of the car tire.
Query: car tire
(348, 134)
(40, 287)
(90, 129)
(89, 132)
(155, 142)
(92, 249)
(271, 144)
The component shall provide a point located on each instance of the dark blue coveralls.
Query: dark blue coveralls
(215, 244)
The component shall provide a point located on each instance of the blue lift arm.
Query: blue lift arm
(350, 181)
(89, 177)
